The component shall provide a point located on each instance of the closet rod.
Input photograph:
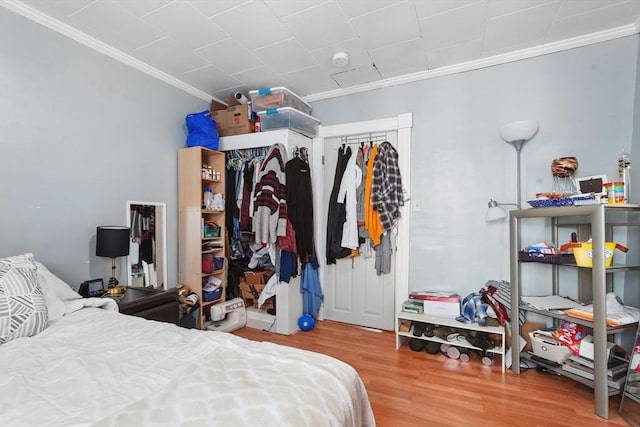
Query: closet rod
(357, 139)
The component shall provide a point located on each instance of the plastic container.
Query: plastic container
(615, 192)
(584, 253)
(207, 201)
(276, 97)
(288, 117)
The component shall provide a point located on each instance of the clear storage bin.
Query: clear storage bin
(276, 97)
(291, 118)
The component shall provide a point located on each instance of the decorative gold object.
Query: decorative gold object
(116, 290)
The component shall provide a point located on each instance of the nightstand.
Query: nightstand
(152, 304)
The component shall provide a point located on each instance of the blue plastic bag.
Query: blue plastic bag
(203, 130)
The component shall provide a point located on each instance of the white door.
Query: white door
(353, 292)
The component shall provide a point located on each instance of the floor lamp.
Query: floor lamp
(516, 134)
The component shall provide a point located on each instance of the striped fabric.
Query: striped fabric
(502, 295)
(23, 312)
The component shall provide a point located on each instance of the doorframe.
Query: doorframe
(402, 123)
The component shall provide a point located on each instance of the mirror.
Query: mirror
(147, 260)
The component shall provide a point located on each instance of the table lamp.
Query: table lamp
(113, 242)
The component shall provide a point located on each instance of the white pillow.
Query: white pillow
(56, 291)
(53, 284)
(23, 311)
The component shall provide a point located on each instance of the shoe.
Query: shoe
(418, 329)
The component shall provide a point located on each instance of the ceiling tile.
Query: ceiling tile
(401, 58)
(575, 7)
(454, 27)
(456, 54)
(208, 78)
(261, 77)
(320, 26)
(285, 56)
(230, 56)
(185, 24)
(169, 56)
(518, 30)
(426, 9)
(311, 80)
(59, 9)
(253, 25)
(97, 20)
(282, 9)
(215, 7)
(593, 21)
(391, 25)
(355, 8)
(358, 55)
(505, 7)
(358, 76)
(141, 7)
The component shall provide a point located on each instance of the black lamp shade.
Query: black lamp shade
(112, 241)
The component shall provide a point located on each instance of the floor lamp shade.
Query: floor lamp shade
(112, 241)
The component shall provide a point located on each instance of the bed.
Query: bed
(90, 365)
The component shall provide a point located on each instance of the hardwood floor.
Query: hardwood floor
(408, 388)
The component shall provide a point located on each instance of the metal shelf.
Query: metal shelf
(599, 219)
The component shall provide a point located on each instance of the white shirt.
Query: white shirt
(351, 180)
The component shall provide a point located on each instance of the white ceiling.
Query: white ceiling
(214, 48)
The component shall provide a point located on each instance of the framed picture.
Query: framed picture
(592, 184)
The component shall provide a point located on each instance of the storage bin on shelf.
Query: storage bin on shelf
(288, 117)
(276, 97)
(583, 253)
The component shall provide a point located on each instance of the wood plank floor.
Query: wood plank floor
(408, 388)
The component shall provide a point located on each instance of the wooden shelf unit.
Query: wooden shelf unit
(191, 215)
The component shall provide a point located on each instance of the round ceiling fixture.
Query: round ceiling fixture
(340, 59)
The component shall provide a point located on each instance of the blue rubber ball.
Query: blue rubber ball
(306, 323)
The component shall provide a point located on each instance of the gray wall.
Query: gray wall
(584, 101)
(80, 134)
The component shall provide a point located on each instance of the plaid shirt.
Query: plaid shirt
(386, 188)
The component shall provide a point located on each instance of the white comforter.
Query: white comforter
(99, 367)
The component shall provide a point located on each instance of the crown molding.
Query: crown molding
(68, 31)
(545, 49)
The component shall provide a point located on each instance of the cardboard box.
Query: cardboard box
(237, 121)
(218, 112)
(257, 280)
(525, 329)
(438, 303)
(231, 120)
(549, 348)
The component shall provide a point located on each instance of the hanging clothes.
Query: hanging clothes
(247, 190)
(270, 207)
(371, 217)
(386, 188)
(336, 214)
(347, 195)
(299, 197)
(361, 161)
(310, 288)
